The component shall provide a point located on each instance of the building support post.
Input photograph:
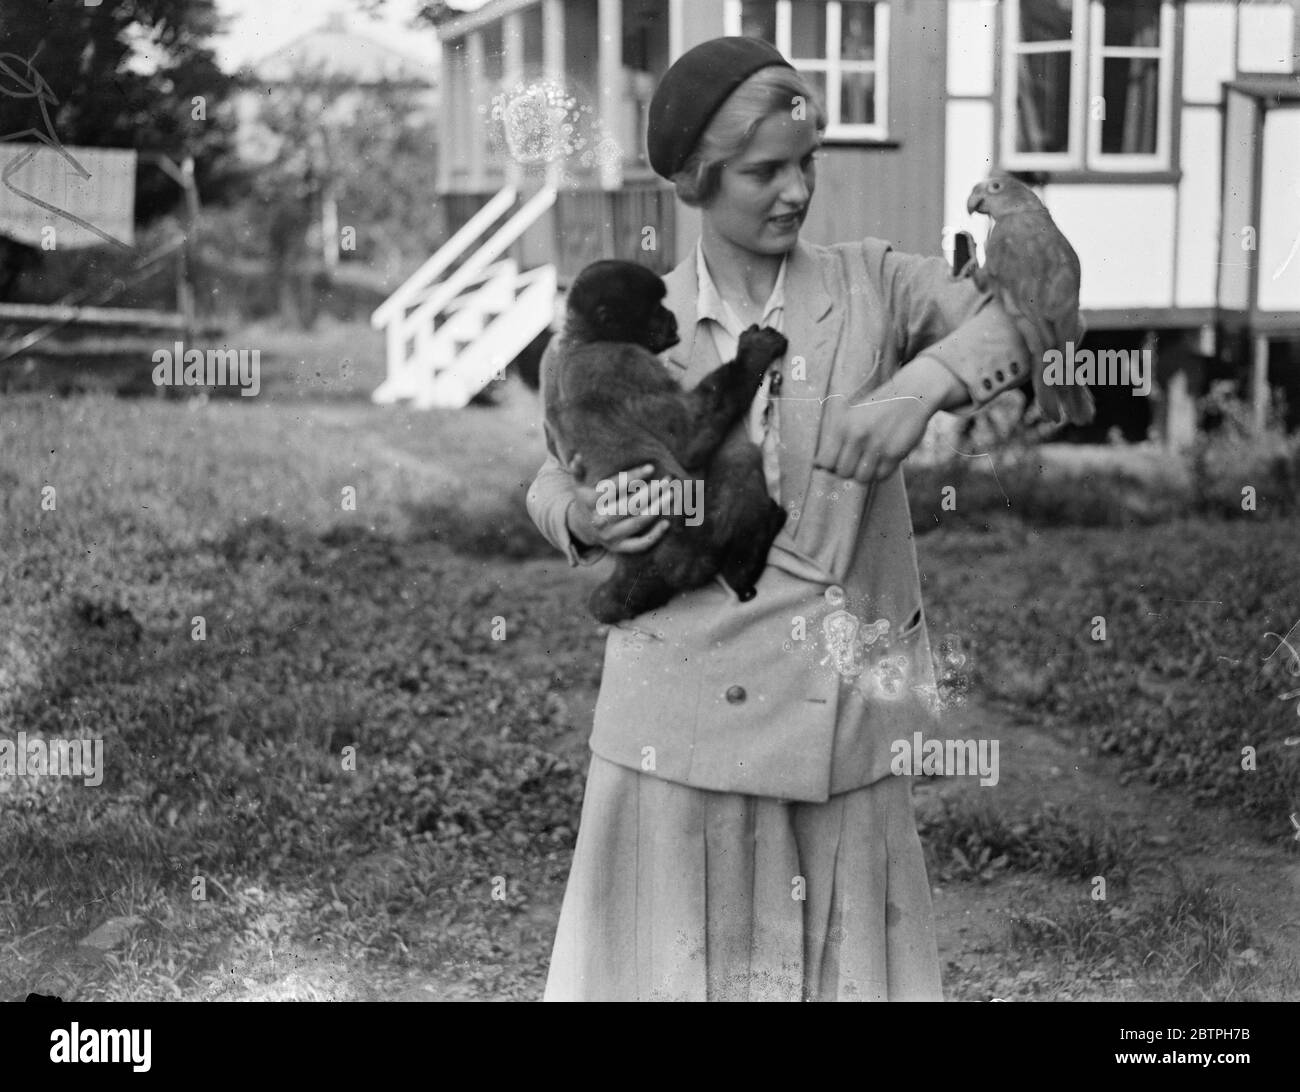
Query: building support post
(609, 53)
(1259, 382)
(553, 62)
(512, 71)
(477, 86)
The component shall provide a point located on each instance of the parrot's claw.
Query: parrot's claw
(968, 270)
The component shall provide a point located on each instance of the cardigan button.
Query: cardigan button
(735, 694)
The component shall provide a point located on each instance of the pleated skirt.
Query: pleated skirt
(681, 894)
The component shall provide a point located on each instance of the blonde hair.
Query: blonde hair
(771, 90)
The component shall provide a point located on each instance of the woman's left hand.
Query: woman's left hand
(867, 439)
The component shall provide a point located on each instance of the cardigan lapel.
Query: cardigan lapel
(694, 356)
(812, 326)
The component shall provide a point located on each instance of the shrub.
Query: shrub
(969, 840)
(1235, 455)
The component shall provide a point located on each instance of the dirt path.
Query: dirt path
(1040, 768)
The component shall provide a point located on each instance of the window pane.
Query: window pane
(1131, 89)
(1043, 102)
(1046, 20)
(1133, 23)
(817, 81)
(758, 19)
(808, 29)
(858, 98)
(857, 31)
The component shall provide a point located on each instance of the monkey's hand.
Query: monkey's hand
(723, 395)
(758, 348)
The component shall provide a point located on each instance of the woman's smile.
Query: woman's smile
(789, 222)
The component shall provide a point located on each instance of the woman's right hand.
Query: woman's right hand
(626, 534)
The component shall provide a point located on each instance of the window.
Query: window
(840, 46)
(1087, 85)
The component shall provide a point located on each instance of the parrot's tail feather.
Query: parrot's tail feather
(1046, 395)
(1080, 408)
(1061, 404)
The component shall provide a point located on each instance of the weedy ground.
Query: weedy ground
(377, 799)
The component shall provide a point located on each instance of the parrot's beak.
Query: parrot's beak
(975, 203)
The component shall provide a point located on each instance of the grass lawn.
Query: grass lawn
(370, 765)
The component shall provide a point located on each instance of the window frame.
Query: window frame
(832, 66)
(1088, 44)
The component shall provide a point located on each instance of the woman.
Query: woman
(742, 835)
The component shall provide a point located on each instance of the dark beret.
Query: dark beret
(694, 89)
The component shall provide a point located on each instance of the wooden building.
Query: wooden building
(1120, 112)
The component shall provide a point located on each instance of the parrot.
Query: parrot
(1033, 270)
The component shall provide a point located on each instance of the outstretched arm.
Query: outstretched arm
(952, 321)
(958, 348)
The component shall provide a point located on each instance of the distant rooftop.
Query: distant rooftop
(335, 50)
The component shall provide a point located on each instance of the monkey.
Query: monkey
(610, 405)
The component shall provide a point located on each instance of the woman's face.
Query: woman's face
(763, 195)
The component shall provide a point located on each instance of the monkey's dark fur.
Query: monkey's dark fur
(611, 402)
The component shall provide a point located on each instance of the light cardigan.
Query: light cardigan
(746, 697)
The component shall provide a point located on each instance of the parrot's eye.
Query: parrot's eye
(995, 185)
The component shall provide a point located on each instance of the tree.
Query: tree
(436, 12)
(125, 74)
(364, 151)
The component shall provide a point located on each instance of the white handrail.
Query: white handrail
(445, 255)
(452, 287)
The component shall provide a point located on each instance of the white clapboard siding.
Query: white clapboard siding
(972, 47)
(1209, 50)
(1199, 207)
(1279, 242)
(1264, 37)
(968, 157)
(1124, 237)
(105, 199)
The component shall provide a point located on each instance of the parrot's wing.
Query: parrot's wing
(1037, 275)
(1080, 329)
(1028, 254)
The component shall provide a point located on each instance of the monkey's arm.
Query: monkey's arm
(722, 396)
